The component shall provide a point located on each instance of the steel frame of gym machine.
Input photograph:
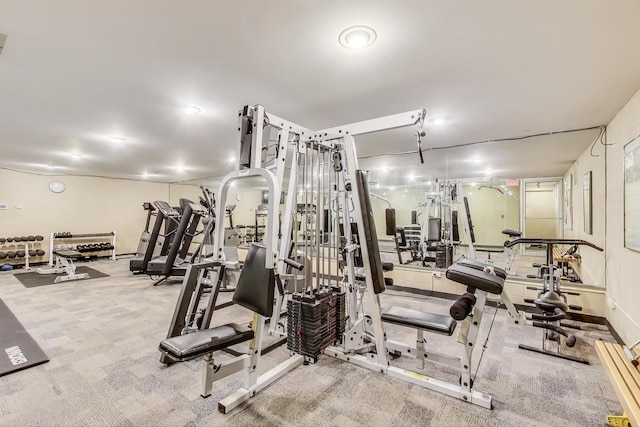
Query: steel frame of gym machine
(364, 348)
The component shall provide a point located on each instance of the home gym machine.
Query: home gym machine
(337, 311)
(552, 301)
(434, 240)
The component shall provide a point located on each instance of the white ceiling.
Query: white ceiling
(74, 73)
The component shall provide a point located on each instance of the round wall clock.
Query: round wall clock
(57, 186)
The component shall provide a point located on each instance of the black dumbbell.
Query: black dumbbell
(9, 239)
(39, 252)
(31, 238)
(24, 238)
(20, 254)
(17, 239)
(32, 252)
(39, 238)
(11, 254)
(3, 255)
(2, 240)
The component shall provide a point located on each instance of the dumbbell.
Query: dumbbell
(3, 255)
(33, 252)
(39, 252)
(39, 238)
(9, 239)
(20, 254)
(17, 239)
(31, 238)
(24, 238)
(11, 254)
(2, 240)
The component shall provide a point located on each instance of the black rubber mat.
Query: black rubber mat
(18, 350)
(33, 279)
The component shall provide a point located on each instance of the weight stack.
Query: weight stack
(441, 256)
(315, 321)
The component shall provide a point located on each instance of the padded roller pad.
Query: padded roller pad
(465, 262)
(387, 266)
(419, 320)
(475, 278)
(67, 253)
(190, 346)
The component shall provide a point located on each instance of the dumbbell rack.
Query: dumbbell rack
(53, 237)
(26, 256)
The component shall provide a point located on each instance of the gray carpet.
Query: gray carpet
(33, 279)
(102, 341)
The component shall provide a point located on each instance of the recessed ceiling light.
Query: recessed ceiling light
(438, 121)
(192, 109)
(76, 156)
(118, 138)
(357, 37)
(179, 169)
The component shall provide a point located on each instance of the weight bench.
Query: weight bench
(64, 264)
(625, 380)
(255, 291)
(479, 282)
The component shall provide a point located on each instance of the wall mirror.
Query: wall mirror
(587, 203)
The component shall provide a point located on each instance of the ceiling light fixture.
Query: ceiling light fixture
(76, 156)
(179, 169)
(438, 121)
(118, 138)
(192, 109)
(357, 37)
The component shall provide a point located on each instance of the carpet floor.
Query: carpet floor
(103, 339)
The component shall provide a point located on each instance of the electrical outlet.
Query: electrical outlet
(437, 274)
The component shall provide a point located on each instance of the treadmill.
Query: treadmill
(165, 215)
(175, 262)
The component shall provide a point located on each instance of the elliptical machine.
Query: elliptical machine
(551, 301)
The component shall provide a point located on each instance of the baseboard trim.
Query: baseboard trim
(614, 333)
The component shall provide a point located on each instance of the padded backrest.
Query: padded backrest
(434, 232)
(369, 226)
(256, 284)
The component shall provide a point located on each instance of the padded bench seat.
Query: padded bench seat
(475, 278)
(190, 346)
(67, 253)
(419, 320)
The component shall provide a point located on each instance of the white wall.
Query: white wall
(622, 264)
(88, 205)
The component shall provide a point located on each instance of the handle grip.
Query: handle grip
(298, 266)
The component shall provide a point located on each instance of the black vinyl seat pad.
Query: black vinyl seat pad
(466, 262)
(190, 346)
(67, 253)
(416, 319)
(474, 278)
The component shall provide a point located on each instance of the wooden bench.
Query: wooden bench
(557, 256)
(624, 378)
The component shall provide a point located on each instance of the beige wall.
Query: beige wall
(88, 205)
(622, 264)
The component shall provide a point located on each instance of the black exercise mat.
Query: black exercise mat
(18, 350)
(33, 279)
